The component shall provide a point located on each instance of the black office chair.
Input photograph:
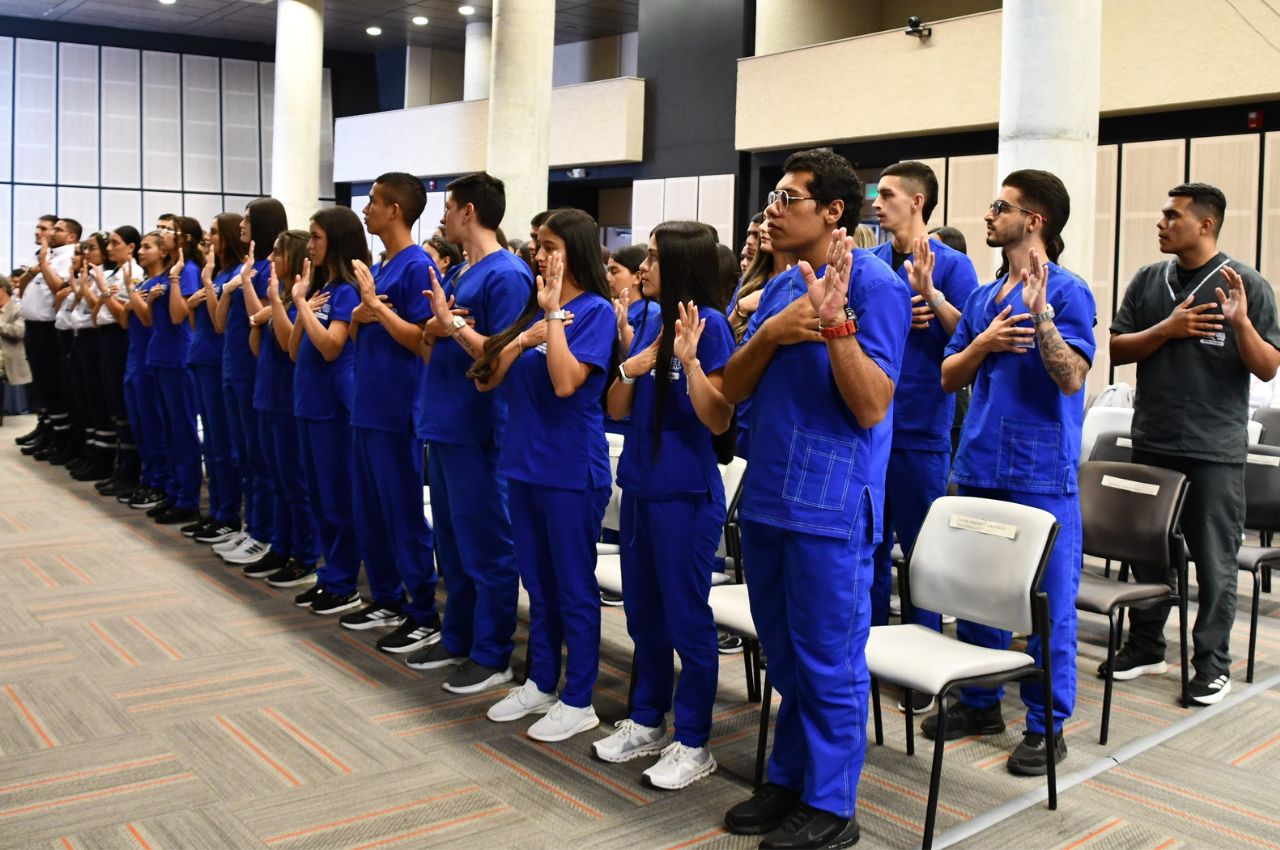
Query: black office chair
(1261, 514)
(1269, 418)
(1113, 446)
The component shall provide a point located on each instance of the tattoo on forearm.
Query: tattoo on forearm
(1061, 361)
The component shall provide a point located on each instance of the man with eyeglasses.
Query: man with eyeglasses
(820, 358)
(1025, 342)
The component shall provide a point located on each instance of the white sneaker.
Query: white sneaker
(680, 766)
(251, 552)
(630, 741)
(948, 620)
(562, 722)
(231, 544)
(895, 606)
(521, 702)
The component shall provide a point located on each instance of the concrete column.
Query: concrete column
(520, 105)
(476, 61)
(295, 139)
(1049, 82)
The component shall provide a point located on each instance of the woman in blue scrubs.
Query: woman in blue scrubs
(673, 504)
(557, 462)
(636, 311)
(140, 393)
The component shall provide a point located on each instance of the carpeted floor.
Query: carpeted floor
(154, 698)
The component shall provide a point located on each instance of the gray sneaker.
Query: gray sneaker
(433, 657)
(472, 678)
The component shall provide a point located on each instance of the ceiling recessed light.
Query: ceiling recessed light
(420, 20)
(373, 30)
(168, 2)
(466, 10)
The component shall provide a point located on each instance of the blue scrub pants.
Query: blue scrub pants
(294, 531)
(326, 461)
(219, 461)
(555, 533)
(811, 602)
(391, 530)
(914, 479)
(177, 393)
(1061, 581)
(255, 480)
(475, 551)
(668, 554)
(148, 431)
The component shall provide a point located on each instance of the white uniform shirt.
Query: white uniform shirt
(37, 300)
(115, 277)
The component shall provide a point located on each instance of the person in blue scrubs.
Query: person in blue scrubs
(673, 505)
(941, 281)
(556, 462)
(167, 354)
(1025, 342)
(635, 312)
(295, 548)
(222, 262)
(323, 391)
(392, 532)
(463, 429)
(264, 219)
(141, 394)
(820, 359)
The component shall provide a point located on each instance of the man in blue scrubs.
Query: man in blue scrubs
(941, 280)
(463, 428)
(1025, 342)
(820, 359)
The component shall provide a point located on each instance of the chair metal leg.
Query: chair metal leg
(1106, 570)
(766, 706)
(1185, 657)
(875, 711)
(1266, 579)
(751, 660)
(1253, 626)
(1109, 684)
(935, 775)
(908, 703)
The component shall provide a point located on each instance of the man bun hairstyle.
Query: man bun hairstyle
(1043, 193)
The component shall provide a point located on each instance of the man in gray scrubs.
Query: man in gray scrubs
(1197, 326)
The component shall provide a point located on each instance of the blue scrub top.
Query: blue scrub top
(273, 383)
(1022, 433)
(645, 318)
(140, 335)
(207, 344)
(922, 410)
(389, 377)
(238, 362)
(169, 342)
(496, 291)
(811, 462)
(560, 442)
(319, 385)
(686, 459)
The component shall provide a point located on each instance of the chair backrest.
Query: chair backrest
(981, 560)
(1113, 445)
(1269, 418)
(731, 474)
(1262, 488)
(1129, 512)
(1099, 420)
(1254, 429)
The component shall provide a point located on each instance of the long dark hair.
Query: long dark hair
(233, 247)
(1041, 192)
(99, 238)
(192, 232)
(345, 242)
(689, 263)
(292, 245)
(130, 236)
(581, 239)
(267, 220)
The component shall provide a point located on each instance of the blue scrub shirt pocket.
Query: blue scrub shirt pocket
(819, 470)
(1027, 456)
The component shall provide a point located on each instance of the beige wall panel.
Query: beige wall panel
(972, 187)
(446, 75)
(1231, 163)
(1271, 212)
(1104, 253)
(787, 24)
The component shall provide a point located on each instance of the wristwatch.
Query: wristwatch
(557, 316)
(622, 374)
(848, 327)
(1046, 316)
(937, 302)
(456, 325)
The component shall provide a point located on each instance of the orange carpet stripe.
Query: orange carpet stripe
(81, 774)
(234, 692)
(913, 794)
(105, 598)
(1117, 708)
(340, 664)
(35, 724)
(393, 839)
(1084, 839)
(31, 567)
(122, 608)
(1120, 694)
(153, 637)
(66, 844)
(137, 836)
(94, 795)
(259, 751)
(112, 645)
(1180, 813)
(470, 789)
(491, 753)
(35, 647)
(73, 569)
(1166, 844)
(1265, 745)
(207, 680)
(698, 839)
(36, 662)
(1193, 795)
(594, 774)
(17, 526)
(382, 658)
(448, 724)
(910, 825)
(299, 735)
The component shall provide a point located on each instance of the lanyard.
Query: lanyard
(1169, 277)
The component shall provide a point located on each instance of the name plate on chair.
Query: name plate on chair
(984, 526)
(1132, 486)
(1124, 442)
(1263, 460)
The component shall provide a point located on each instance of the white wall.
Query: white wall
(708, 199)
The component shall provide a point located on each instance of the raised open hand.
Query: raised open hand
(1235, 303)
(175, 271)
(247, 271)
(829, 294)
(920, 267)
(689, 330)
(302, 284)
(1035, 284)
(549, 288)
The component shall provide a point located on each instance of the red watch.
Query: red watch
(847, 328)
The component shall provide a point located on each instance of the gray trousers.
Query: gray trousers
(1212, 521)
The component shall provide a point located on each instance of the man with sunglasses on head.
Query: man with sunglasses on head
(1198, 326)
(1025, 342)
(820, 358)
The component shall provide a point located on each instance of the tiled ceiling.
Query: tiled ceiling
(345, 20)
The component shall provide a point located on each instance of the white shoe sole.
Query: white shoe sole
(902, 707)
(1214, 698)
(452, 661)
(224, 549)
(219, 539)
(653, 749)
(309, 578)
(388, 623)
(411, 647)
(357, 603)
(240, 560)
(494, 680)
(1141, 670)
(583, 725)
(706, 770)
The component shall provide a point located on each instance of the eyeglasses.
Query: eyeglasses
(1000, 207)
(784, 200)
(165, 230)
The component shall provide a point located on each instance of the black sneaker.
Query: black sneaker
(1206, 691)
(193, 528)
(306, 597)
(127, 497)
(292, 574)
(920, 703)
(409, 636)
(472, 678)
(216, 531)
(114, 487)
(372, 616)
(729, 644)
(612, 600)
(963, 721)
(267, 565)
(334, 603)
(163, 505)
(175, 515)
(1031, 757)
(807, 827)
(1131, 665)
(147, 498)
(768, 807)
(30, 436)
(433, 657)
